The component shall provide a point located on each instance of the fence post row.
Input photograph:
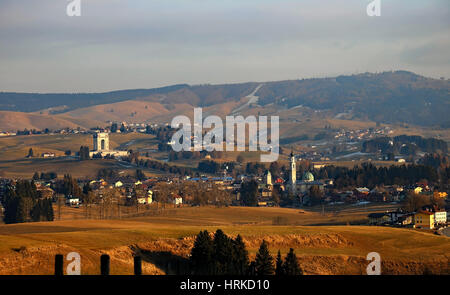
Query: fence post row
(104, 265)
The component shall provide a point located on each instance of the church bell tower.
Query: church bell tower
(293, 176)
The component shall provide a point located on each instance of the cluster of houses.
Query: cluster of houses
(132, 190)
(142, 192)
(362, 134)
(428, 217)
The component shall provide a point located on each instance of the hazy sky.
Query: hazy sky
(122, 44)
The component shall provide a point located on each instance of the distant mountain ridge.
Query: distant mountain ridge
(388, 97)
(32, 102)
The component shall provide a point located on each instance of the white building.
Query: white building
(177, 200)
(101, 141)
(268, 177)
(101, 145)
(440, 217)
(72, 201)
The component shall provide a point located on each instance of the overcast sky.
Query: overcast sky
(123, 44)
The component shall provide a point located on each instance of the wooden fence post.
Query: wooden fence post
(137, 265)
(59, 262)
(104, 264)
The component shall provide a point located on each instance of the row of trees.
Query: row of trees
(222, 255)
(370, 175)
(22, 203)
(45, 176)
(404, 144)
(436, 160)
(68, 186)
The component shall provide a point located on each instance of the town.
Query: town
(414, 195)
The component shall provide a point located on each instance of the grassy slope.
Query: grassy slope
(320, 248)
(14, 149)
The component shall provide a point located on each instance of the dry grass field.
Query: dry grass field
(30, 248)
(16, 147)
(13, 152)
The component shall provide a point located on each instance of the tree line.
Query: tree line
(22, 203)
(222, 255)
(46, 176)
(369, 175)
(404, 145)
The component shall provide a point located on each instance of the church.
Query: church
(101, 145)
(302, 186)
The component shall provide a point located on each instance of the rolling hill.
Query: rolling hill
(389, 97)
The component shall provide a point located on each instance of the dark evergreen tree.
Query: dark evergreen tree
(37, 211)
(36, 176)
(240, 261)
(264, 261)
(291, 266)
(84, 153)
(223, 253)
(252, 269)
(10, 204)
(114, 127)
(201, 260)
(279, 270)
(23, 209)
(50, 214)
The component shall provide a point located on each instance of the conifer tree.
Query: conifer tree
(10, 204)
(50, 212)
(291, 267)
(252, 269)
(202, 254)
(264, 261)
(240, 261)
(36, 212)
(223, 252)
(36, 176)
(23, 209)
(279, 270)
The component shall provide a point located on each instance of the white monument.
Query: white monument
(101, 142)
(101, 145)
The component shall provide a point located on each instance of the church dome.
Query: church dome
(308, 177)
